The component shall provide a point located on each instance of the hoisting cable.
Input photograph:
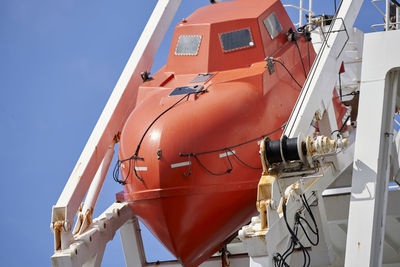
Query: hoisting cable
(135, 156)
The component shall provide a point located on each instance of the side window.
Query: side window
(232, 41)
(188, 45)
(273, 26)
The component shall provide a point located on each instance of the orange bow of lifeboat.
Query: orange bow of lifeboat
(189, 150)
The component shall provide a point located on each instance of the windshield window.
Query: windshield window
(236, 40)
(273, 26)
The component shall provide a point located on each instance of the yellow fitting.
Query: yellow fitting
(264, 194)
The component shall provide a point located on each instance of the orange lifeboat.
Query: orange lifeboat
(189, 150)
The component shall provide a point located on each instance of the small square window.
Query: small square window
(188, 45)
(236, 40)
(273, 26)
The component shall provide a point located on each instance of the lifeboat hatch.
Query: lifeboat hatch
(184, 90)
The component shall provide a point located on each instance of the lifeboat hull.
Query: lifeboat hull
(190, 162)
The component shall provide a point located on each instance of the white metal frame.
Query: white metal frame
(386, 15)
(302, 10)
(375, 134)
(99, 149)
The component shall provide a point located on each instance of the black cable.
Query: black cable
(316, 231)
(308, 237)
(344, 123)
(234, 146)
(229, 170)
(309, 57)
(352, 93)
(135, 156)
(308, 225)
(396, 3)
(295, 239)
(342, 127)
(280, 259)
(226, 149)
(291, 75)
(241, 161)
(334, 2)
(301, 58)
(159, 116)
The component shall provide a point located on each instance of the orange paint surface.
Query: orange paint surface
(193, 215)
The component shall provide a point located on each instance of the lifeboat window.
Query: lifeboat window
(273, 26)
(236, 40)
(188, 45)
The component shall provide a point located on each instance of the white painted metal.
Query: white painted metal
(132, 243)
(97, 184)
(109, 125)
(316, 93)
(301, 13)
(387, 15)
(226, 154)
(397, 17)
(336, 191)
(379, 89)
(85, 216)
(87, 249)
(180, 164)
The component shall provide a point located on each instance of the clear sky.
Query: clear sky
(59, 62)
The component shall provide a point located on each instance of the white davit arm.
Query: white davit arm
(106, 132)
(316, 94)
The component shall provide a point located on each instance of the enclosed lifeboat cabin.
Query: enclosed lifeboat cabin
(189, 150)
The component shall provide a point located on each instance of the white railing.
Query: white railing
(388, 23)
(301, 9)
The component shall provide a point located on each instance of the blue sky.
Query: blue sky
(59, 63)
